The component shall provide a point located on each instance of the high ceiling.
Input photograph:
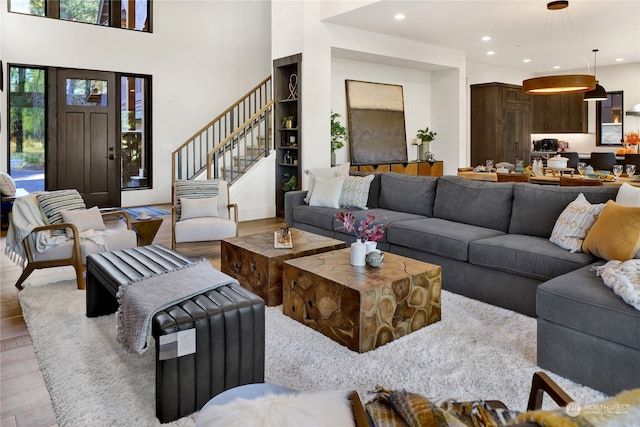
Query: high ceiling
(519, 30)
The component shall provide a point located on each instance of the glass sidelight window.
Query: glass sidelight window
(134, 128)
(27, 126)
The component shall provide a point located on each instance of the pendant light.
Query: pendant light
(565, 83)
(597, 94)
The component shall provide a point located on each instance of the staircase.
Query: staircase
(230, 144)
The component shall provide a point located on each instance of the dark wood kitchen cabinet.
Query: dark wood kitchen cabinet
(561, 113)
(500, 124)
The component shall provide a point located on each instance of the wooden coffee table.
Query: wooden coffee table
(257, 265)
(361, 307)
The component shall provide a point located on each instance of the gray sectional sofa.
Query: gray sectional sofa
(492, 242)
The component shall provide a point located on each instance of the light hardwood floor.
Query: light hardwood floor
(24, 399)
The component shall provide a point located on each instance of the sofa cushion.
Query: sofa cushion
(323, 173)
(579, 300)
(326, 192)
(53, 203)
(485, 204)
(355, 191)
(616, 233)
(574, 223)
(438, 236)
(321, 217)
(374, 187)
(537, 207)
(408, 193)
(528, 256)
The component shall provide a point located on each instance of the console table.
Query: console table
(409, 168)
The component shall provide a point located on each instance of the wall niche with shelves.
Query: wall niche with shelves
(287, 119)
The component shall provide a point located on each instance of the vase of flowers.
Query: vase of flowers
(365, 230)
(424, 138)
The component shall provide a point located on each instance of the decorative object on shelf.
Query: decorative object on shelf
(287, 122)
(364, 231)
(566, 83)
(288, 158)
(290, 182)
(282, 238)
(293, 86)
(338, 136)
(425, 136)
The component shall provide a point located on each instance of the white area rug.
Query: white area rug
(477, 351)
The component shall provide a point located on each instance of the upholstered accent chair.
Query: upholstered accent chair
(201, 211)
(55, 228)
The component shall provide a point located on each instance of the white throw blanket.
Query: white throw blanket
(624, 279)
(27, 215)
(141, 300)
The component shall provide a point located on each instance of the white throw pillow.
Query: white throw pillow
(199, 208)
(342, 170)
(326, 192)
(83, 219)
(355, 191)
(7, 184)
(574, 223)
(628, 195)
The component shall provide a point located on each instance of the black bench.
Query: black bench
(227, 325)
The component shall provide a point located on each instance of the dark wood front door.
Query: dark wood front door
(86, 150)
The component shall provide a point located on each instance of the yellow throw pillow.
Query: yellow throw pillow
(615, 234)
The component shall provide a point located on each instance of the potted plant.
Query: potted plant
(287, 122)
(338, 136)
(290, 182)
(425, 136)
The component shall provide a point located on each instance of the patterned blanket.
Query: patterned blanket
(141, 300)
(623, 278)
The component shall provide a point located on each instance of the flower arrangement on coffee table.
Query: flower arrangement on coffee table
(365, 230)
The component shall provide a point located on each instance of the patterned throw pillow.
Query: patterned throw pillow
(199, 189)
(53, 203)
(7, 185)
(574, 223)
(355, 191)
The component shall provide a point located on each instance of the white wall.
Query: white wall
(202, 56)
(416, 85)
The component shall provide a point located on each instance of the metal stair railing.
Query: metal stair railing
(227, 136)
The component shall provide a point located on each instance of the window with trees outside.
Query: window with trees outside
(127, 14)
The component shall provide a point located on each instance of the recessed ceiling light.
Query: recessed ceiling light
(619, 59)
(486, 38)
(399, 17)
(556, 67)
(526, 60)
(491, 53)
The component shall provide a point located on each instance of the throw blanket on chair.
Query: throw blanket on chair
(623, 278)
(141, 300)
(25, 216)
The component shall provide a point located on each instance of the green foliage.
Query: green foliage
(426, 135)
(80, 10)
(338, 132)
(290, 183)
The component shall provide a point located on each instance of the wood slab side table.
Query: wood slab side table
(257, 265)
(361, 308)
(146, 229)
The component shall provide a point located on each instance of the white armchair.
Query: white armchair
(53, 229)
(201, 211)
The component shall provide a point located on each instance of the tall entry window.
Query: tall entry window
(27, 126)
(135, 141)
